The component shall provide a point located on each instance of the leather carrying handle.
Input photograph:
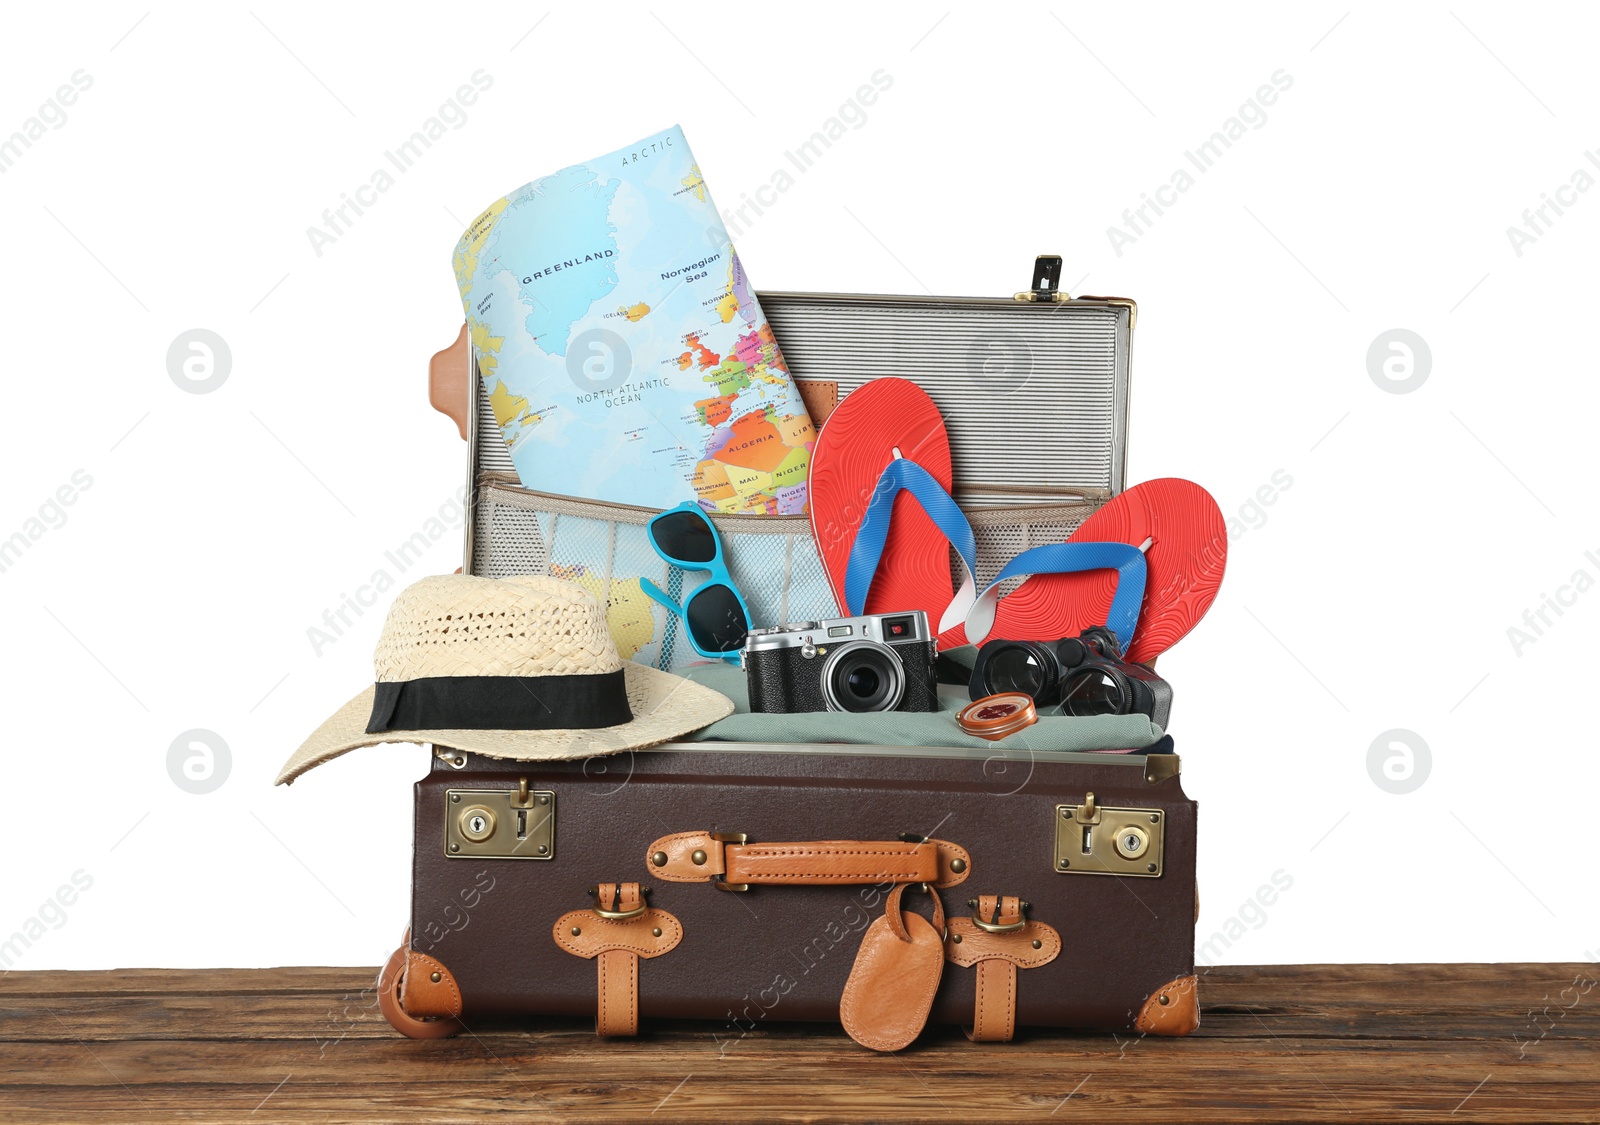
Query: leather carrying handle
(729, 861)
(450, 381)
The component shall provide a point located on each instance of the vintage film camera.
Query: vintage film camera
(881, 662)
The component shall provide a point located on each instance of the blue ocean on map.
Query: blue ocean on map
(624, 353)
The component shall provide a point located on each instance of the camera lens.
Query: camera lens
(1015, 666)
(863, 676)
(862, 683)
(1095, 691)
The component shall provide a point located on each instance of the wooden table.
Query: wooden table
(1452, 1043)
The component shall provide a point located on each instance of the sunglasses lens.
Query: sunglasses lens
(716, 620)
(685, 536)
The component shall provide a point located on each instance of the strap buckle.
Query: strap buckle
(619, 915)
(998, 927)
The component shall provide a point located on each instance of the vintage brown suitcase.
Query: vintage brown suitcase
(1100, 848)
(742, 883)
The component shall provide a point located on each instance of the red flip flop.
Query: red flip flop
(856, 444)
(1187, 554)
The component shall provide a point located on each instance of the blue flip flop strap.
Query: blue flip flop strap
(902, 475)
(1070, 558)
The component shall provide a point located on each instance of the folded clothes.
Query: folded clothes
(904, 728)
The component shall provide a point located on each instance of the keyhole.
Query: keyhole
(477, 824)
(1132, 842)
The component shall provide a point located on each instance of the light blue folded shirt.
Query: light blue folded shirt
(1069, 733)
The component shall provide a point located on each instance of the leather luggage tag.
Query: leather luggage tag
(896, 973)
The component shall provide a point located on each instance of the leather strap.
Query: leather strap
(998, 956)
(621, 897)
(894, 914)
(616, 946)
(1000, 910)
(995, 985)
(700, 857)
(619, 993)
(994, 1008)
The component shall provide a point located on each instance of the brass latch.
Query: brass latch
(1046, 281)
(1093, 839)
(515, 823)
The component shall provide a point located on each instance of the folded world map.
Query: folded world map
(621, 345)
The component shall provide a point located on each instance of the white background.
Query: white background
(1374, 593)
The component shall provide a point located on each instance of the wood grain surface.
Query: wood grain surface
(1458, 1043)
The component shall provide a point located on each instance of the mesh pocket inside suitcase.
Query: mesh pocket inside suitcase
(772, 559)
(1004, 533)
(604, 548)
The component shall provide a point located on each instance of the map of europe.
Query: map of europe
(625, 355)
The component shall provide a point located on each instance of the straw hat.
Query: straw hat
(520, 668)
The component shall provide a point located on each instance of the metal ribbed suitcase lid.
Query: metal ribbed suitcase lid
(1034, 393)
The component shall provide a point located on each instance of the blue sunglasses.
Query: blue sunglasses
(715, 617)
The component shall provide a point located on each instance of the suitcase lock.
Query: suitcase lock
(1095, 839)
(515, 823)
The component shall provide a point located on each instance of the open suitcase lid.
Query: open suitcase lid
(1033, 389)
(1039, 379)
